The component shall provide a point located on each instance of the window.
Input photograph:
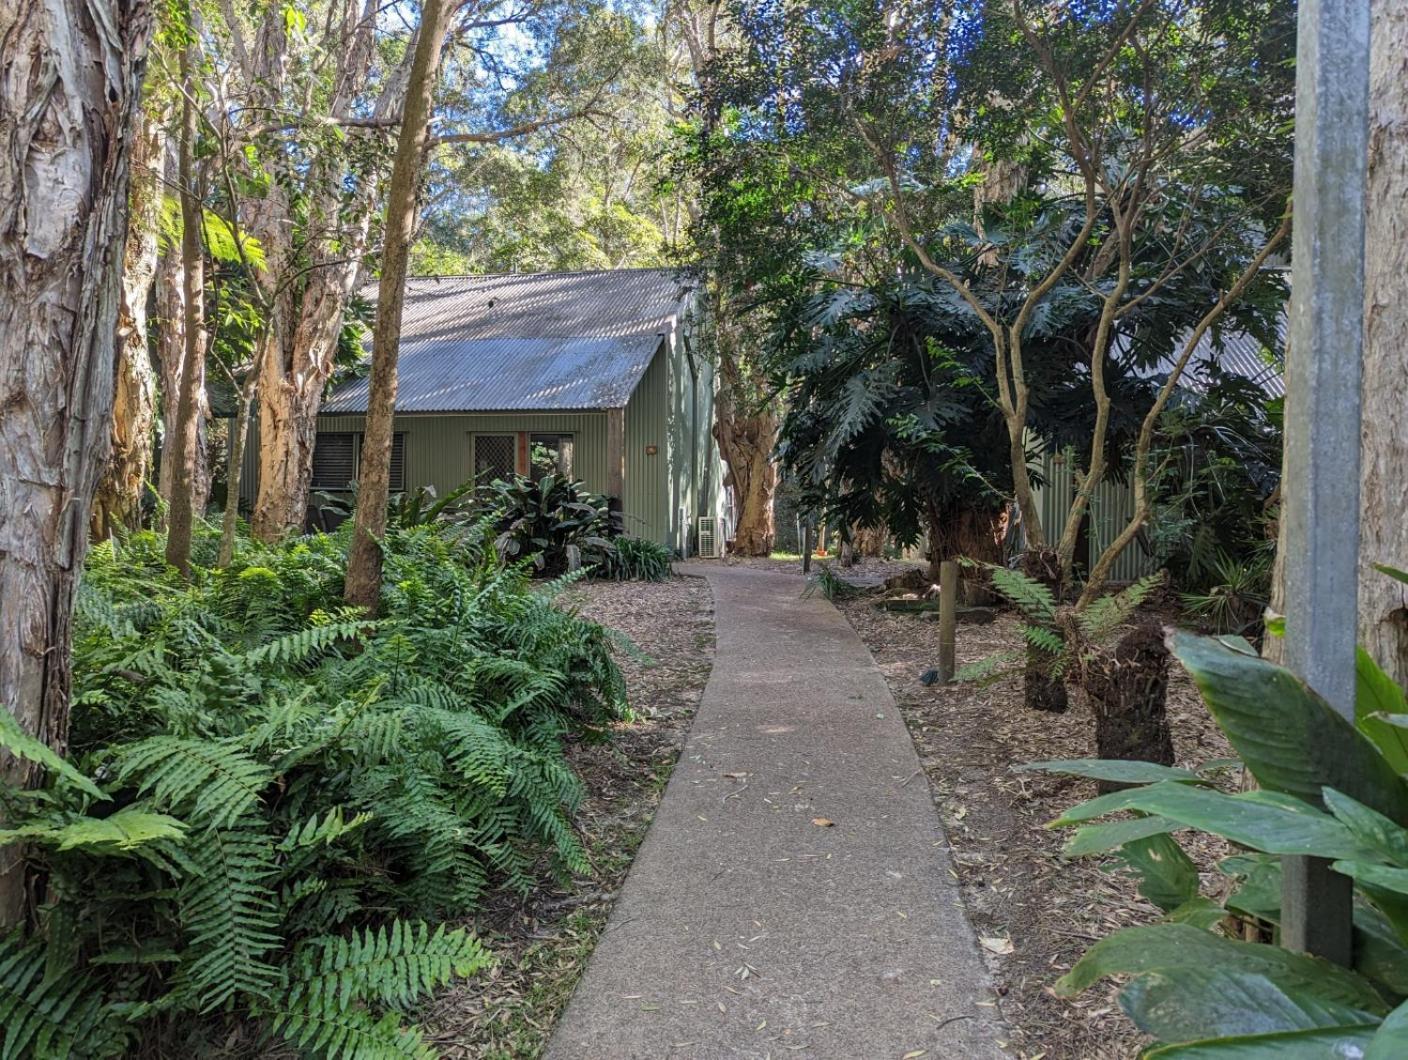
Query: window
(549, 454)
(334, 461)
(495, 457)
(337, 461)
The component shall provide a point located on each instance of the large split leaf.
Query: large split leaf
(1289, 737)
(1172, 947)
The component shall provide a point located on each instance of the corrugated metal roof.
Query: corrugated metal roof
(1236, 353)
(522, 341)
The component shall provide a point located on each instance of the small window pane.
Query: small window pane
(550, 454)
(494, 457)
(334, 461)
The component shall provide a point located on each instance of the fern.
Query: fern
(350, 1035)
(230, 918)
(1106, 614)
(45, 1015)
(22, 745)
(125, 830)
(1030, 596)
(218, 782)
(392, 965)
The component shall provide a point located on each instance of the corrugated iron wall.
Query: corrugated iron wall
(1111, 506)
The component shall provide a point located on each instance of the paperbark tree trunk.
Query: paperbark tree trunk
(187, 434)
(746, 435)
(363, 581)
(239, 437)
(1383, 602)
(118, 502)
(69, 93)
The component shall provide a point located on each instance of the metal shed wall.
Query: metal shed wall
(1111, 506)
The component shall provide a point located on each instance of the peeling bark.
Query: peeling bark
(69, 90)
(118, 503)
(1383, 602)
(746, 438)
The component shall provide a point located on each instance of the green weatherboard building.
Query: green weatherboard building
(587, 373)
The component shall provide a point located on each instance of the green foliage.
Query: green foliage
(269, 796)
(637, 559)
(1328, 789)
(553, 521)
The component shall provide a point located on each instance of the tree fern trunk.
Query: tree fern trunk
(68, 104)
(1040, 689)
(1128, 690)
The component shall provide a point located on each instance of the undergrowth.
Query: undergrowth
(272, 804)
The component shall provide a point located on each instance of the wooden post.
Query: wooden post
(948, 618)
(807, 547)
(1323, 411)
(616, 454)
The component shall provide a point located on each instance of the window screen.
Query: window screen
(334, 461)
(398, 463)
(549, 454)
(494, 457)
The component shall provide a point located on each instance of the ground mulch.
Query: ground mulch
(541, 943)
(1018, 888)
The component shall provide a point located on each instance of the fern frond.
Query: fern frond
(22, 745)
(1048, 640)
(219, 782)
(351, 1035)
(49, 1015)
(1031, 597)
(990, 668)
(230, 917)
(125, 830)
(316, 832)
(1106, 614)
(392, 965)
(300, 646)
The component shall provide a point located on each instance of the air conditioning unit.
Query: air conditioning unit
(711, 542)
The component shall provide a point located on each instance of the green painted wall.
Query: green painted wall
(666, 491)
(439, 451)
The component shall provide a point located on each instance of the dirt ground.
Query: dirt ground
(542, 942)
(1017, 886)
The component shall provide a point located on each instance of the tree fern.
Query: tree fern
(1031, 597)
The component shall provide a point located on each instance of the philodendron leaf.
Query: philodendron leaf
(1199, 911)
(1330, 1043)
(1377, 698)
(1171, 947)
(1193, 1004)
(1167, 877)
(1262, 820)
(1390, 1042)
(1116, 770)
(1259, 893)
(1290, 738)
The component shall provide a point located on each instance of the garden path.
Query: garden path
(794, 896)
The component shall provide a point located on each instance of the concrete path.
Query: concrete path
(794, 895)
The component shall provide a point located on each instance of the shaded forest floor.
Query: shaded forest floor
(1035, 912)
(542, 942)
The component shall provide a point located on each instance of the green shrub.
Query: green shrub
(554, 522)
(270, 799)
(1327, 788)
(639, 559)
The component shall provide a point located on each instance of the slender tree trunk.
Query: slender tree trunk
(187, 434)
(239, 433)
(1383, 602)
(363, 583)
(118, 502)
(69, 95)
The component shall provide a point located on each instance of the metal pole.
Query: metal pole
(948, 616)
(1321, 485)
